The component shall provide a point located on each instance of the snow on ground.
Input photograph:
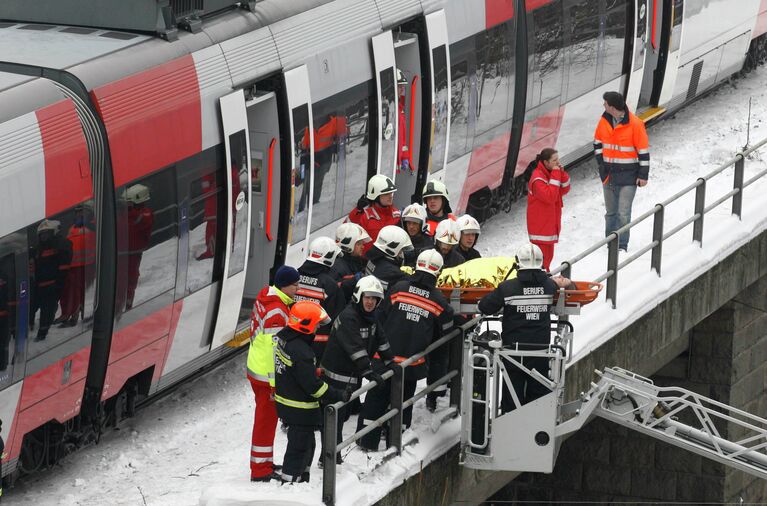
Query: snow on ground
(192, 447)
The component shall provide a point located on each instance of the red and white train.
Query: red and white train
(150, 183)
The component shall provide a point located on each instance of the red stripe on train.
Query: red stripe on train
(152, 118)
(68, 179)
(498, 11)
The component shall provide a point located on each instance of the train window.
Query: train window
(62, 257)
(495, 76)
(302, 172)
(340, 153)
(614, 40)
(147, 238)
(582, 49)
(203, 186)
(546, 42)
(460, 104)
(240, 201)
(8, 305)
(676, 25)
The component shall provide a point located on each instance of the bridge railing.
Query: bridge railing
(659, 234)
(454, 341)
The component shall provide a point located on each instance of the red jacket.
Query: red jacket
(373, 218)
(140, 221)
(83, 242)
(544, 203)
(403, 151)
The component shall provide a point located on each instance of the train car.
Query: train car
(158, 162)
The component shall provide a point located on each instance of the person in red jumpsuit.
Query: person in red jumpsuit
(548, 184)
(140, 222)
(403, 150)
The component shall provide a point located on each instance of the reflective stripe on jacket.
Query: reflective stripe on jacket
(269, 316)
(623, 151)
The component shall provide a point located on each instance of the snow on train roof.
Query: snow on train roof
(59, 47)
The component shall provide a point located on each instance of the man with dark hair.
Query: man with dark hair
(623, 155)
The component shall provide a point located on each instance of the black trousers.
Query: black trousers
(437, 361)
(48, 302)
(376, 404)
(527, 389)
(300, 451)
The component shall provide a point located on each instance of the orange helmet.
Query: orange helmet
(306, 316)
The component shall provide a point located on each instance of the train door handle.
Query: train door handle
(67, 372)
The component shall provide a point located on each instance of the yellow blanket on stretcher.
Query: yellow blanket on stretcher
(477, 273)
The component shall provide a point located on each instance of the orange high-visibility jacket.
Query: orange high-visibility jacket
(623, 151)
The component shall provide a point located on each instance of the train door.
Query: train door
(439, 83)
(301, 162)
(238, 197)
(264, 135)
(639, 45)
(386, 84)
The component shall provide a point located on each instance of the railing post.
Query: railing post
(329, 450)
(700, 204)
(567, 270)
(657, 236)
(397, 392)
(456, 355)
(612, 266)
(737, 199)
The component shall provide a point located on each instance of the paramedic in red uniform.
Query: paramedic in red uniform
(403, 150)
(548, 184)
(140, 221)
(83, 239)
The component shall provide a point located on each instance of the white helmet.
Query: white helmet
(469, 225)
(52, 225)
(379, 185)
(349, 234)
(323, 251)
(416, 213)
(429, 261)
(448, 232)
(529, 256)
(137, 194)
(392, 241)
(370, 286)
(435, 188)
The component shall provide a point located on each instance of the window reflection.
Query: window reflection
(459, 104)
(583, 47)
(240, 201)
(301, 172)
(439, 59)
(614, 40)
(7, 311)
(495, 77)
(547, 58)
(387, 122)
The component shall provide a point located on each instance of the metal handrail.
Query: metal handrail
(658, 211)
(332, 446)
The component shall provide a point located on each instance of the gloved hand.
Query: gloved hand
(362, 203)
(358, 275)
(373, 376)
(347, 393)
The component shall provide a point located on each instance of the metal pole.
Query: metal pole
(456, 355)
(737, 199)
(657, 235)
(329, 450)
(612, 266)
(700, 204)
(567, 270)
(397, 392)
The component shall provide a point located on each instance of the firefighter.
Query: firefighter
(404, 161)
(350, 263)
(548, 184)
(526, 302)
(140, 222)
(298, 390)
(470, 231)
(269, 316)
(82, 235)
(386, 257)
(51, 260)
(375, 210)
(414, 223)
(437, 203)
(353, 342)
(319, 283)
(446, 238)
(415, 314)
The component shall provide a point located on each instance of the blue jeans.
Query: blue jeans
(618, 201)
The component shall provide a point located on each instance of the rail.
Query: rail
(658, 214)
(331, 446)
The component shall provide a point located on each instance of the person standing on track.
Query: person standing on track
(548, 184)
(269, 316)
(623, 155)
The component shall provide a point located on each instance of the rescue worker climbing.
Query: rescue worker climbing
(269, 316)
(436, 200)
(470, 231)
(298, 390)
(140, 222)
(51, 257)
(350, 263)
(526, 302)
(319, 283)
(446, 238)
(354, 340)
(414, 315)
(375, 210)
(548, 184)
(414, 223)
(386, 257)
(404, 161)
(80, 272)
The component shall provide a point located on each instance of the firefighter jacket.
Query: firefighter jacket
(298, 390)
(349, 269)
(269, 316)
(452, 259)
(140, 221)
(622, 151)
(52, 259)
(386, 269)
(469, 254)
(415, 314)
(353, 342)
(526, 301)
(421, 242)
(373, 218)
(83, 241)
(544, 203)
(433, 220)
(320, 284)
